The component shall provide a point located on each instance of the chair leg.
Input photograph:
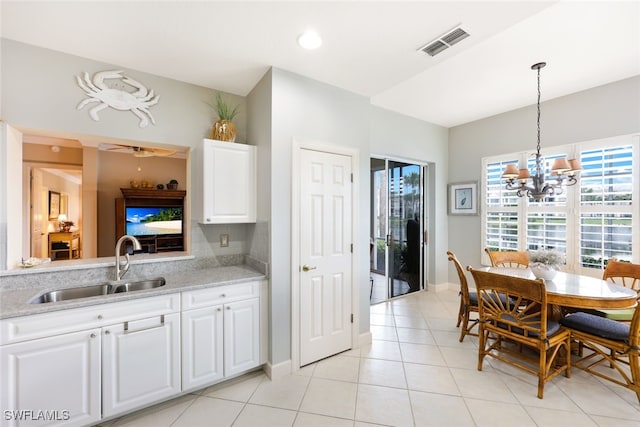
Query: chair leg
(542, 373)
(481, 346)
(460, 311)
(634, 362)
(465, 322)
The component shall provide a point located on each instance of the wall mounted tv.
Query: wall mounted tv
(153, 220)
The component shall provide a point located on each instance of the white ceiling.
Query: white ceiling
(369, 48)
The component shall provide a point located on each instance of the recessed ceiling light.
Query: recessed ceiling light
(309, 40)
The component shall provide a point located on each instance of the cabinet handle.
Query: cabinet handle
(127, 331)
(223, 295)
(228, 308)
(99, 316)
(92, 335)
(219, 309)
(107, 332)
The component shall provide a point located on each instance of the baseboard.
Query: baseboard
(279, 370)
(364, 339)
(439, 287)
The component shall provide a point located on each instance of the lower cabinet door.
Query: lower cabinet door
(202, 343)
(141, 363)
(241, 336)
(51, 381)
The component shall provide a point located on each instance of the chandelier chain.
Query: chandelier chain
(538, 146)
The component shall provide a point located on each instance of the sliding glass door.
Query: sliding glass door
(397, 218)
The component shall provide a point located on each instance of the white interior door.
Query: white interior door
(325, 254)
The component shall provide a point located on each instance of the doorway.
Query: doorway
(397, 228)
(326, 258)
(41, 183)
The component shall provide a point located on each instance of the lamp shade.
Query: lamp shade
(524, 174)
(575, 165)
(560, 166)
(62, 217)
(510, 172)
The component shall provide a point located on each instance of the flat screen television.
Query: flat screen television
(153, 220)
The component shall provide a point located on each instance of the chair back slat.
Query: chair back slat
(623, 273)
(462, 277)
(508, 259)
(524, 310)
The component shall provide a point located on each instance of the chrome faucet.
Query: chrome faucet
(120, 271)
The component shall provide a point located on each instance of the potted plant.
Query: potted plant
(544, 263)
(172, 185)
(223, 128)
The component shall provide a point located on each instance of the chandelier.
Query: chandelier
(533, 184)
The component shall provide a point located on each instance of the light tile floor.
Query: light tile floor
(415, 373)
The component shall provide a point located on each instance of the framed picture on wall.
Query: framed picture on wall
(463, 198)
(54, 204)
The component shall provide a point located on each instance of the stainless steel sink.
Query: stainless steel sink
(140, 285)
(72, 293)
(103, 289)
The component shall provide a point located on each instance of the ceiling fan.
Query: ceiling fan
(137, 151)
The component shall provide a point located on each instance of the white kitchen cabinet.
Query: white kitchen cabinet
(220, 333)
(241, 336)
(202, 343)
(57, 378)
(141, 363)
(55, 361)
(229, 173)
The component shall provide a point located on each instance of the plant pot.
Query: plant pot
(543, 272)
(224, 130)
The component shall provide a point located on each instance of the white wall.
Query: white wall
(601, 112)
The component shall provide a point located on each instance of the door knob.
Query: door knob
(308, 268)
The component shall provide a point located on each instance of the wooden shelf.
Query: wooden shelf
(152, 193)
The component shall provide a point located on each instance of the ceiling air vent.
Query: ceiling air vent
(443, 42)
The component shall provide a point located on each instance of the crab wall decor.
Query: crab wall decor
(137, 100)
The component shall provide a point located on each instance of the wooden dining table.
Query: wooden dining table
(578, 291)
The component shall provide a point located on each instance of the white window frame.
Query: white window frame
(572, 209)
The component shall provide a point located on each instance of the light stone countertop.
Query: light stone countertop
(15, 303)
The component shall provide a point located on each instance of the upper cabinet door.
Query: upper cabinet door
(229, 187)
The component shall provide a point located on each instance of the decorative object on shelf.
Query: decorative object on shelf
(538, 189)
(223, 128)
(137, 101)
(134, 184)
(463, 198)
(544, 263)
(54, 204)
(172, 185)
(160, 186)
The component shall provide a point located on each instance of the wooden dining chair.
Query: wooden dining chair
(505, 328)
(508, 259)
(468, 301)
(625, 274)
(609, 341)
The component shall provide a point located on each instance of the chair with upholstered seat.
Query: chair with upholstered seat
(524, 322)
(610, 342)
(468, 301)
(508, 259)
(625, 274)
